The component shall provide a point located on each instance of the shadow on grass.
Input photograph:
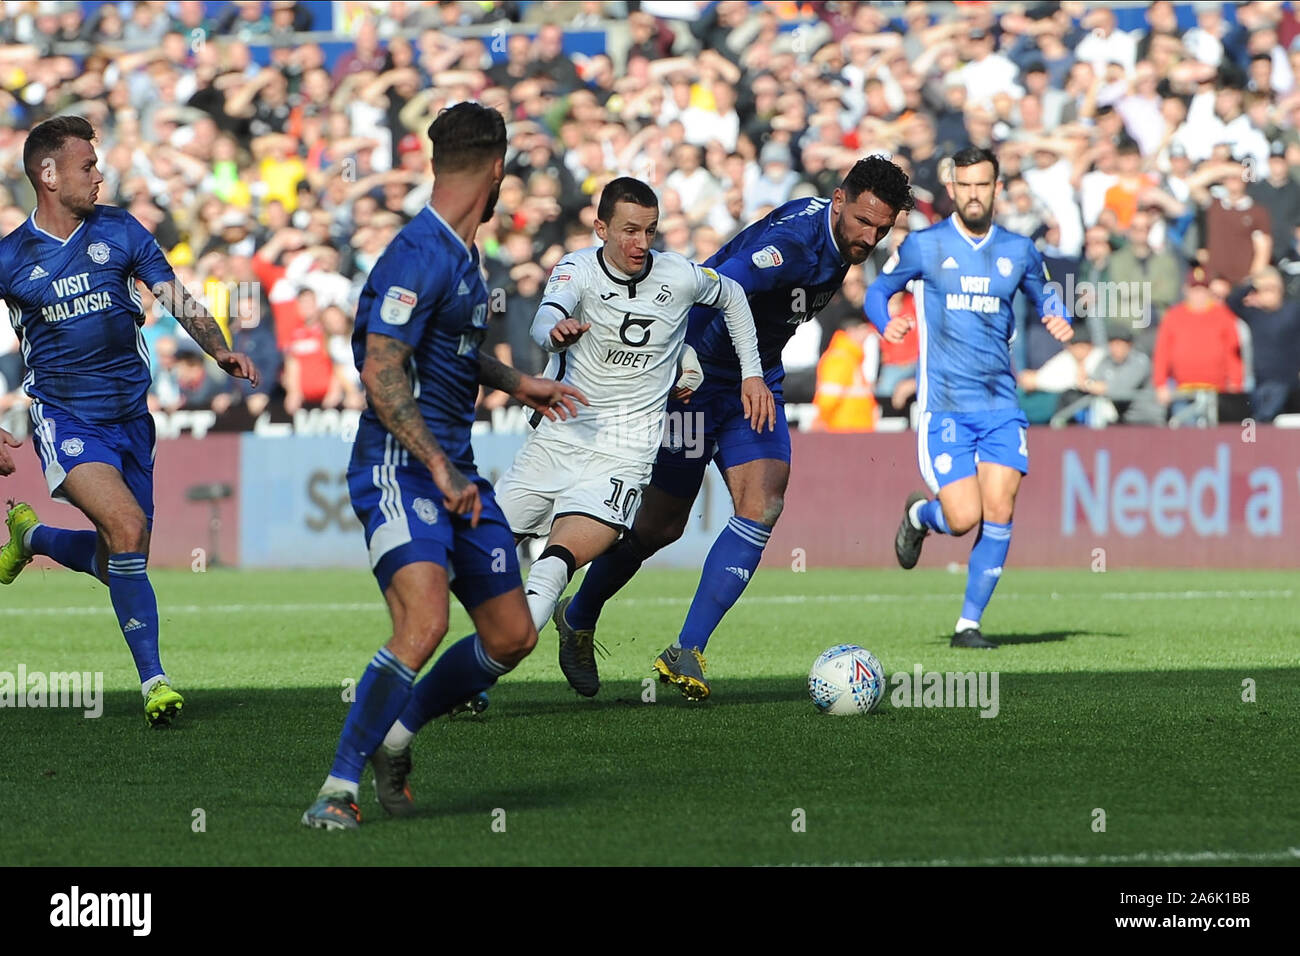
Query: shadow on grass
(1046, 636)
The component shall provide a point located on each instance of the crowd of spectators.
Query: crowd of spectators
(1153, 167)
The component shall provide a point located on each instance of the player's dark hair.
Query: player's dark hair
(624, 189)
(48, 138)
(881, 178)
(466, 136)
(973, 156)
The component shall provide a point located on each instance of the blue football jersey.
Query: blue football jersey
(789, 266)
(78, 313)
(426, 290)
(963, 311)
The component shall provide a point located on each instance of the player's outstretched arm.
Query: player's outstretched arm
(1059, 327)
(755, 396)
(758, 403)
(553, 399)
(1044, 300)
(556, 325)
(195, 319)
(7, 466)
(388, 387)
(903, 266)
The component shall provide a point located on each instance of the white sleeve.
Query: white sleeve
(740, 323)
(560, 300)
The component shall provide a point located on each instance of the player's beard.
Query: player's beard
(979, 225)
(490, 209)
(79, 207)
(850, 253)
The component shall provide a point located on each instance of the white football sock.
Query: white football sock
(546, 582)
(398, 737)
(966, 624)
(335, 784)
(149, 684)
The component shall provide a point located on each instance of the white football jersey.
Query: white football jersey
(626, 363)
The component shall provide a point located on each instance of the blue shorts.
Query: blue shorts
(950, 444)
(63, 441)
(713, 426)
(405, 521)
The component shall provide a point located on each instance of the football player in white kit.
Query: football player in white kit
(615, 319)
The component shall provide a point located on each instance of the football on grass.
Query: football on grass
(846, 679)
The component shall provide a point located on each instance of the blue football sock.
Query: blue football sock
(72, 549)
(382, 694)
(931, 516)
(605, 578)
(137, 610)
(732, 561)
(985, 567)
(460, 673)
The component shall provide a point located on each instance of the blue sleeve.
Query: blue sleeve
(147, 260)
(904, 266)
(407, 294)
(770, 262)
(1038, 286)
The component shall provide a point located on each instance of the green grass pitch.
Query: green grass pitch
(1120, 692)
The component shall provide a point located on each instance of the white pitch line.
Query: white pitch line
(1059, 859)
(301, 608)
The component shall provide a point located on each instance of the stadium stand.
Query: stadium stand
(275, 148)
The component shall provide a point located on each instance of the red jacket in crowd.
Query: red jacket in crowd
(1198, 347)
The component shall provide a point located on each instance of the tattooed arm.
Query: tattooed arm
(553, 399)
(494, 373)
(388, 387)
(195, 319)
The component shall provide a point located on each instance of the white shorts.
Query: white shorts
(551, 479)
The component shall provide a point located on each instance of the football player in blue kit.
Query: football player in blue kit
(972, 435)
(69, 276)
(790, 264)
(431, 522)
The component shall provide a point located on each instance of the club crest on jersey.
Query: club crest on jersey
(98, 252)
(664, 295)
(425, 510)
(768, 257)
(398, 304)
(1004, 266)
(72, 447)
